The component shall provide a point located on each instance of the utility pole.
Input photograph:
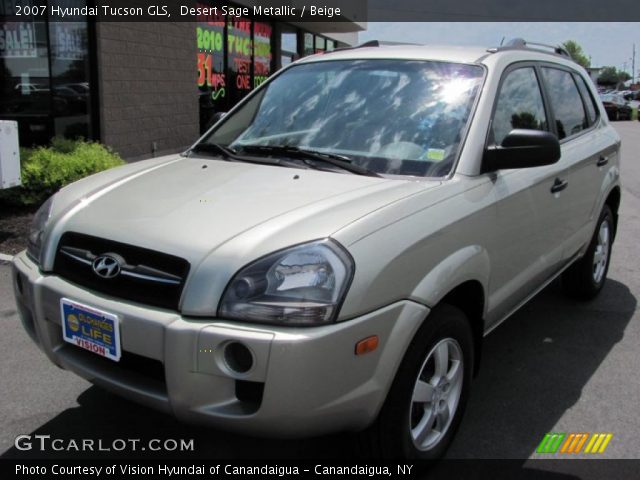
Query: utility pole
(633, 65)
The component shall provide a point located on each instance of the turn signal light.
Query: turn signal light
(367, 345)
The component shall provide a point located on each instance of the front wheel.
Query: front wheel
(585, 278)
(429, 394)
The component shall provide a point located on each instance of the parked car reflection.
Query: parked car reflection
(616, 106)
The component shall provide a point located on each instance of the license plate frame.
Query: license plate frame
(91, 329)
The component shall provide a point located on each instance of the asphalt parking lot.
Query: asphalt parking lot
(555, 366)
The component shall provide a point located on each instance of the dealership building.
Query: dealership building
(143, 88)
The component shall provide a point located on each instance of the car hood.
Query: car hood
(190, 207)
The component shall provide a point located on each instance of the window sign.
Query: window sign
(262, 52)
(18, 40)
(210, 43)
(70, 40)
(239, 57)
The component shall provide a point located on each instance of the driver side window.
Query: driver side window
(519, 105)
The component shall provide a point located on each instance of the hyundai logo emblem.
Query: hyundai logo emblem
(106, 266)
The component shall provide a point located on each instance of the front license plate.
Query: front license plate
(91, 329)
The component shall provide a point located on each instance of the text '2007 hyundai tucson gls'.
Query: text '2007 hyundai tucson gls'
(330, 254)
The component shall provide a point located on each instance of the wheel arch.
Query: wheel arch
(460, 280)
(470, 298)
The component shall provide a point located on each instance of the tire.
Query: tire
(585, 278)
(395, 432)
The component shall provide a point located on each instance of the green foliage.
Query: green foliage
(576, 52)
(46, 170)
(612, 76)
(63, 145)
(623, 76)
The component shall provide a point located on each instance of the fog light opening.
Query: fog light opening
(238, 357)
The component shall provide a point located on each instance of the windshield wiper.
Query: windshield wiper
(224, 152)
(231, 155)
(309, 156)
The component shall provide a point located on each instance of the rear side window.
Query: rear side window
(566, 102)
(592, 110)
(519, 104)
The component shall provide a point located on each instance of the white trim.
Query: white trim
(5, 258)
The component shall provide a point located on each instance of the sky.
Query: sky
(608, 44)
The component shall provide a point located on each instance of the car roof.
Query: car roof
(458, 54)
(445, 53)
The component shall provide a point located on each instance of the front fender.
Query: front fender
(470, 263)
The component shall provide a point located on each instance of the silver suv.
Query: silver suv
(331, 253)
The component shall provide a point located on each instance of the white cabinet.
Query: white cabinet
(9, 154)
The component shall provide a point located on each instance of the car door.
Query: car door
(530, 205)
(589, 153)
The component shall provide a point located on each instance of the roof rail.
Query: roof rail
(370, 43)
(520, 44)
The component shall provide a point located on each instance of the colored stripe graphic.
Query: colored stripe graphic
(572, 443)
(607, 439)
(598, 443)
(550, 443)
(581, 442)
(567, 444)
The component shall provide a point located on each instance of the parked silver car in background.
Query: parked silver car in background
(331, 253)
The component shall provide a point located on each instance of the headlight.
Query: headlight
(34, 246)
(302, 285)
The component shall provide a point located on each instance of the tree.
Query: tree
(623, 76)
(612, 76)
(576, 52)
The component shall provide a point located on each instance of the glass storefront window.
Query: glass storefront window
(289, 42)
(236, 55)
(262, 57)
(239, 58)
(330, 45)
(308, 44)
(288, 45)
(45, 76)
(212, 82)
(70, 76)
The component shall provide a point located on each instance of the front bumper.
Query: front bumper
(303, 381)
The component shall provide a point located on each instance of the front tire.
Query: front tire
(428, 397)
(585, 278)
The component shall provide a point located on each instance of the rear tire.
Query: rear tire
(585, 278)
(428, 397)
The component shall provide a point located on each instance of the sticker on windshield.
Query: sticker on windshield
(434, 154)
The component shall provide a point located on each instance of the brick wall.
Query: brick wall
(147, 87)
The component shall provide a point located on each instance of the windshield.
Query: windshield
(394, 117)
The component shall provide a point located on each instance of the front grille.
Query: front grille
(147, 277)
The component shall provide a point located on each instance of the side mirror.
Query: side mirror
(522, 149)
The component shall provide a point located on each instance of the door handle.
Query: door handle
(602, 161)
(559, 185)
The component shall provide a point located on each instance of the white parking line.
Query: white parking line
(5, 258)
